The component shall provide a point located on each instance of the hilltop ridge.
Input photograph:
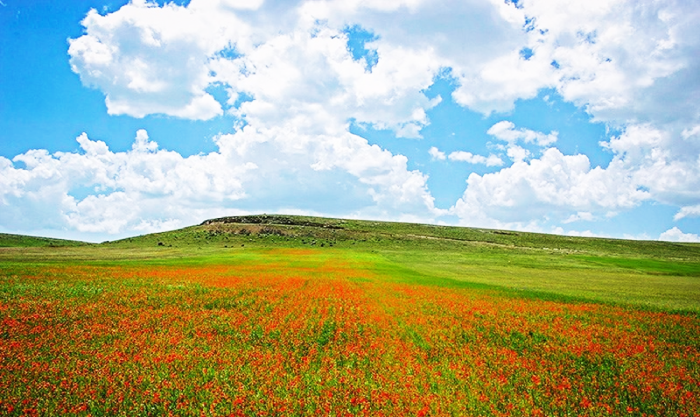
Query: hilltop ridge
(295, 230)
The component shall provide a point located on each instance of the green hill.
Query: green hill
(282, 230)
(649, 274)
(17, 241)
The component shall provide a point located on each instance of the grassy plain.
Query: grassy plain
(285, 315)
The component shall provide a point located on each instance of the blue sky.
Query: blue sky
(122, 118)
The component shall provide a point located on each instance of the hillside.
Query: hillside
(18, 241)
(647, 274)
(317, 231)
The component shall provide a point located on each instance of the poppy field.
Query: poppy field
(272, 330)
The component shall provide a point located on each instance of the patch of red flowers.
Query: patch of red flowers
(318, 337)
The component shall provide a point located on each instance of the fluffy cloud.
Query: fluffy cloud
(647, 164)
(661, 161)
(580, 216)
(506, 131)
(149, 59)
(436, 154)
(462, 156)
(311, 74)
(620, 60)
(147, 188)
(691, 211)
(676, 235)
(491, 160)
(550, 187)
(125, 189)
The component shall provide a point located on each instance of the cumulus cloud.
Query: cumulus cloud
(690, 211)
(146, 188)
(577, 233)
(647, 164)
(548, 187)
(661, 161)
(462, 156)
(436, 154)
(125, 189)
(676, 235)
(149, 59)
(619, 60)
(506, 131)
(517, 153)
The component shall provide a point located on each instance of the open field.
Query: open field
(275, 315)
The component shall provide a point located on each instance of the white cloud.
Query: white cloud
(170, 55)
(550, 187)
(620, 60)
(689, 211)
(580, 216)
(647, 164)
(141, 144)
(241, 4)
(147, 188)
(503, 80)
(517, 153)
(310, 73)
(676, 235)
(506, 131)
(661, 161)
(585, 233)
(436, 154)
(462, 156)
(149, 59)
(690, 132)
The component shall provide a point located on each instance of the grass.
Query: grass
(21, 241)
(286, 315)
(646, 274)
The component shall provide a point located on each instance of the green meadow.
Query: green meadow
(645, 274)
(304, 316)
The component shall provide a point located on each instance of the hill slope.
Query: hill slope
(18, 241)
(649, 274)
(317, 231)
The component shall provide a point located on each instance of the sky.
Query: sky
(120, 118)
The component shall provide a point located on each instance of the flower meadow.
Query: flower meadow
(301, 334)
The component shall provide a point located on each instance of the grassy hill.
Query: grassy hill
(302, 316)
(649, 274)
(318, 231)
(21, 241)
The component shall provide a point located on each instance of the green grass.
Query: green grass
(21, 241)
(285, 315)
(646, 274)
